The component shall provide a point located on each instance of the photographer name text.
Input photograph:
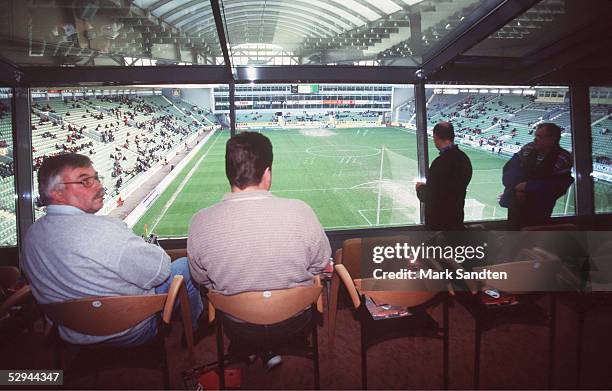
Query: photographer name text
(429, 274)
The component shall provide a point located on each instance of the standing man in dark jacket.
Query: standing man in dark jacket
(449, 175)
(544, 169)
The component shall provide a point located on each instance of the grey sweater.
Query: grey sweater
(254, 241)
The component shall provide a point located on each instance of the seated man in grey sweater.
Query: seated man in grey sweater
(71, 253)
(254, 241)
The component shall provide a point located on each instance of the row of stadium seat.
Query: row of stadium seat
(101, 158)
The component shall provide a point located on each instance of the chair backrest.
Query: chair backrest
(524, 276)
(267, 307)
(420, 292)
(108, 315)
(352, 250)
(600, 270)
(351, 256)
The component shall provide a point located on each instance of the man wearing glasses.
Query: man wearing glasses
(71, 253)
(535, 178)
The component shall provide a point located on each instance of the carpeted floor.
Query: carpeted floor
(514, 355)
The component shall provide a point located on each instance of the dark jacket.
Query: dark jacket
(546, 181)
(444, 194)
(513, 174)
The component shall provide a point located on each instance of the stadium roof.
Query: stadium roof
(530, 41)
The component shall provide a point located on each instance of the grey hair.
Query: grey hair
(49, 173)
(54, 182)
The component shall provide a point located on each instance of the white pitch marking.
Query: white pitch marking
(380, 175)
(366, 219)
(182, 185)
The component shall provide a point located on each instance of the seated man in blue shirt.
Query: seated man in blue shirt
(71, 253)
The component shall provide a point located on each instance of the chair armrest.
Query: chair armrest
(23, 293)
(338, 257)
(173, 293)
(317, 282)
(178, 288)
(211, 312)
(349, 284)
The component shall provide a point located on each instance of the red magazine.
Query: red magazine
(385, 311)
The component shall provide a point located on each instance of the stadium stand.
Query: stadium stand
(602, 138)
(257, 118)
(8, 230)
(123, 135)
(196, 112)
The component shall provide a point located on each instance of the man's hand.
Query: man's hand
(418, 184)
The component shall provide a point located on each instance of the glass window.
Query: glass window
(136, 137)
(545, 24)
(348, 32)
(88, 33)
(601, 128)
(352, 168)
(8, 195)
(491, 127)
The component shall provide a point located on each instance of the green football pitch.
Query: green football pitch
(352, 178)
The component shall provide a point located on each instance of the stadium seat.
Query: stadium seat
(267, 308)
(109, 315)
(417, 322)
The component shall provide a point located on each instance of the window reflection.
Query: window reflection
(8, 217)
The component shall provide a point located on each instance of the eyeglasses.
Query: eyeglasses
(86, 182)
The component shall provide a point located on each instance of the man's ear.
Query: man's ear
(267, 177)
(56, 195)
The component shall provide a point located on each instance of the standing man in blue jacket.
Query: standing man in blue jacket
(535, 177)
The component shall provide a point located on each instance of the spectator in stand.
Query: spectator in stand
(70, 253)
(281, 244)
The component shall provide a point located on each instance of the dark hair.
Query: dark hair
(552, 130)
(444, 131)
(51, 167)
(247, 155)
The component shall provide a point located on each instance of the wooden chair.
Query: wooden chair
(417, 297)
(535, 271)
(596, 295)
(267, 308)
(101, 316)
(350, 256)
